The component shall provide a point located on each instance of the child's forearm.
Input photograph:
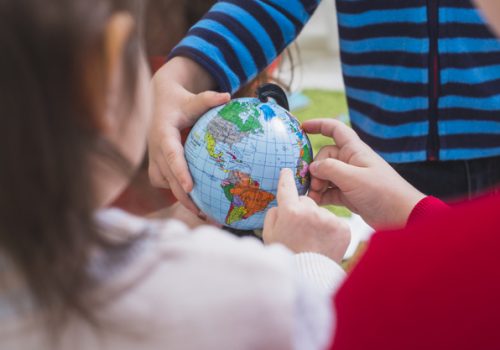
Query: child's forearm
(188, 74)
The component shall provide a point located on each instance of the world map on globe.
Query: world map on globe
(235, 153)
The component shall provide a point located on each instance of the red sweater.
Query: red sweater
(432, 285)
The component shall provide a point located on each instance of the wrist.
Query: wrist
(405, 206)
(188, 74)
(396, 215)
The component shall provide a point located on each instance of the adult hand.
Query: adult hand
(178, 105)
(302, 226)
(351, 174)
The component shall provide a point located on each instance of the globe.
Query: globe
(235, 153)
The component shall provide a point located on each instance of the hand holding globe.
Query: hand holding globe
(235, 153)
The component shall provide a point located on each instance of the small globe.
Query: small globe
(235, 153)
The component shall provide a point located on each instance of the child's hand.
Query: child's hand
(351, 174)
(302, 226)
(177, 108)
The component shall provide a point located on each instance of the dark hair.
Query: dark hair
(168, 22)
(49, 104)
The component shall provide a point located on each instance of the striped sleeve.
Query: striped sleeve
(237, 39)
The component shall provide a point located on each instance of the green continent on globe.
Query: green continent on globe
(305, 154)
(227, 191)
(303, 164)
(305, 157)
(234, 111)
(245, 196)
(229, 128)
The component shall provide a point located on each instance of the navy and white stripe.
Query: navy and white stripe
(387, 50)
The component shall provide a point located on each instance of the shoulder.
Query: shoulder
(207, 281)
(460, 236)
(431, 270)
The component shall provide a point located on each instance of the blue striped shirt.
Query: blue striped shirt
(422, 76)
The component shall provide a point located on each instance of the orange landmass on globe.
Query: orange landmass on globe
(253, 197)
(247, 197)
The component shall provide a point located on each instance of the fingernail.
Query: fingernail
(313, 167)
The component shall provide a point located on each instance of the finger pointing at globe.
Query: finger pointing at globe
(179, 102)
(302, 226)
(235, 153)
(287, 191)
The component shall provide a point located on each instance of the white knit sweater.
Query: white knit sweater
(181, 289)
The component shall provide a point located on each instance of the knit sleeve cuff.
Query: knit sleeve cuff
(426, 207)
(320, 271)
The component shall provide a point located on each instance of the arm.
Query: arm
(237, 39)
(351, 174)
(425, 282)
(211, 282)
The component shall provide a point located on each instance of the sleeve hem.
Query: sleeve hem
(426, 207)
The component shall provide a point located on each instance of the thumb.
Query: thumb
(202, 102)
(339, 173)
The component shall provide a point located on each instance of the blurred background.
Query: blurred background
(319, 50)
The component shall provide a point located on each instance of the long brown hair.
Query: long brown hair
(46, 203)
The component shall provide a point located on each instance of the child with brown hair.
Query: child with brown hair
(77, 103)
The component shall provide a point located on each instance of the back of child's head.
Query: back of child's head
(53, 79)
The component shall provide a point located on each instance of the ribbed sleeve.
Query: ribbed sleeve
(239, 38)
(320, 271)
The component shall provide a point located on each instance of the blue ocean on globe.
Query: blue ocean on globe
(235, 153)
